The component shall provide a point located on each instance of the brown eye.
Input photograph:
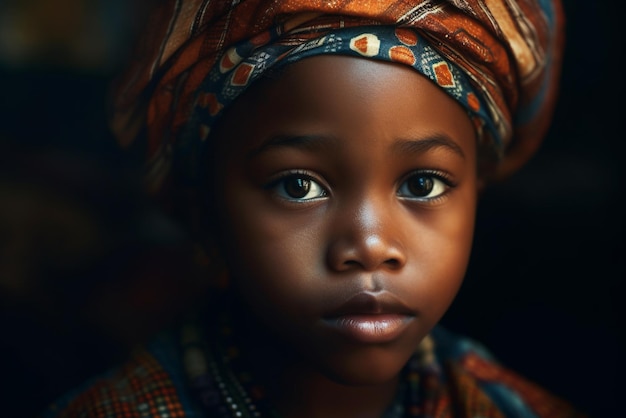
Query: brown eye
(299, 188)
(420, 185)
(423, 186)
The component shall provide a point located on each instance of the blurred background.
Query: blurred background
(89, 267)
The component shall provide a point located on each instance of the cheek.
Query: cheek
(442, 254)
(273, 260)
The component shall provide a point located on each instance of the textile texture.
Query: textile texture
(184, 374)
(499, 58)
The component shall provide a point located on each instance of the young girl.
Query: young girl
(329, 155)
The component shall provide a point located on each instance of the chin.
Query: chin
(368, 366)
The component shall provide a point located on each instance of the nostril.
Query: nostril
(368, 254)
(393, 263)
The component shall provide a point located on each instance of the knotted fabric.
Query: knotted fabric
(500, 59)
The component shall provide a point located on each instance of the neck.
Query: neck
(302, 393)
(296, 389)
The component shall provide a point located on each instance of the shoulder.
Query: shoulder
(150, 384)
(473, 372)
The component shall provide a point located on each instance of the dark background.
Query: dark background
(89, 267)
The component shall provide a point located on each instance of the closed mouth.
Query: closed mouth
(368, 303)
(370, 317)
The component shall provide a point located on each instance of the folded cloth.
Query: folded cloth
(500, 59)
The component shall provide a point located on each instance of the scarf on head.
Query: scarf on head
(500, 59)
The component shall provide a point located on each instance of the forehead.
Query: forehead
(349, 98)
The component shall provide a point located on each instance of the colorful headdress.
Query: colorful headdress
(500, 59)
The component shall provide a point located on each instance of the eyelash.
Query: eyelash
(439, 176)
(274, 184)
(280, 181)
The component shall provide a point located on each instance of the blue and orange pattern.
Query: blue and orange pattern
(187, 374)
(237, 70)
(150, 384)
(500, 58)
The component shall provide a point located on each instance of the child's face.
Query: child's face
(347, 193)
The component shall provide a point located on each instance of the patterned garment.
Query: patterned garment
(500, 59)
(178, 376)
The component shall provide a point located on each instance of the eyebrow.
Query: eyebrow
(401, 146)
(307, 142)
(422, 145)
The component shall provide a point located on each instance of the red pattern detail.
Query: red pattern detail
(361, 44)
(402, 54)
(406, 36)
(139, 388)
(242, 75)
(469, 399)
(209, 101)
(443, 74)
(473, 102)
(543, 403)
(183, 57)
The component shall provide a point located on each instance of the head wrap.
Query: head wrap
(500, 59)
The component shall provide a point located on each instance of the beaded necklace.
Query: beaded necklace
(223, 385)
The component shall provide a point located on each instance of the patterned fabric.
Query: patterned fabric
(187, 376)
(150, 384)
(499, 58)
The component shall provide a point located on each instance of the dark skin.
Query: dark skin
(346, 212)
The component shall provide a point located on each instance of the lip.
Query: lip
(370, 317)
(379, 328)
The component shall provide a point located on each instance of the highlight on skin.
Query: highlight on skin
(346, 210)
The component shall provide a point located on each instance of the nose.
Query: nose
(367, 238)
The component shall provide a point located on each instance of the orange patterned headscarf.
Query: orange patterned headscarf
(508, 52)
